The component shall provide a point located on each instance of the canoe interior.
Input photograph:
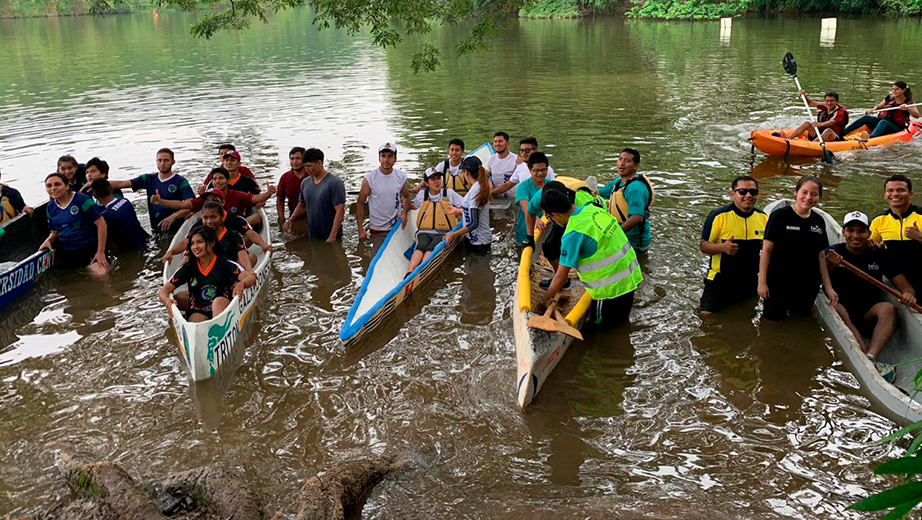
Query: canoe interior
(23, 236)
(542, 270)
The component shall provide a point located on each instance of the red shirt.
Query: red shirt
(235, 202)
(290, 189)
(242, 169)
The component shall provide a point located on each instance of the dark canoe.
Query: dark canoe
(20, 245)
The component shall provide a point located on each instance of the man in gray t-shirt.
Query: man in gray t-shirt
(323, 199)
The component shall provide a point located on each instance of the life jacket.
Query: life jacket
(7, 211)
(824, 116)
(898, 117)
(432, 215)
(617, 204)
(583, 194)
(458, 183)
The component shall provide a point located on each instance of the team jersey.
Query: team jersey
(747, 230)
(244, 184)
(797, 243)
(384, 200)
(236, 223)
(235, 202)
(230, 243)
(206, 284)
(891, 229)
(476, 219)
(855, 294)
(75, 223)
(174, 187)
(123, 228)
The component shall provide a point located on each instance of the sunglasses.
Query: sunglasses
(751, 191)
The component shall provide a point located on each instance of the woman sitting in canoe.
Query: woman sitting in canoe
(433, 220)
(793, 262)
(474, 209)
(892, 113)
(212, 279)
(77, 227)
(229, 243)
(832, 118)
(74, 172)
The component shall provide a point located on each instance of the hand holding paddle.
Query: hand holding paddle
(905, 298)
(790, 66)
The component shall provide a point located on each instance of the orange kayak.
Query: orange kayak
(803, 147)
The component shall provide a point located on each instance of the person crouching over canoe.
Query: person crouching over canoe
(861, 305)
(212, 279)
(474, 208)
(793, 261)
(831, 119)
(77, 226)
(433, 220)
(890, 121)
(594, 244)
(732, 238)
(229, 243)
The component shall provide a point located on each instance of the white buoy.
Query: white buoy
(828, 32)
(726, 27)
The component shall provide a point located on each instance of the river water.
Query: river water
(670, 417)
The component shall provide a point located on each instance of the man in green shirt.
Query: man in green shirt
(594, 244)
(630, 200)
(538, 165)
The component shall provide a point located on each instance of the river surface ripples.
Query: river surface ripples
(669, 417)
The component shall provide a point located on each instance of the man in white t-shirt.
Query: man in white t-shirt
(502, 163)
(527, 146)
(385, 190)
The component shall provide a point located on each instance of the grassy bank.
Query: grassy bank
(42, 8)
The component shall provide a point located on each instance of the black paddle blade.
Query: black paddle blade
(790, 66)
(828, 158)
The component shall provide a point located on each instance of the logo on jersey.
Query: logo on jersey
(193, 283)
(209, 292)
(816, 229)
(234, 209)
(171, 188)
(74, 210)
(873, 267)
(758, 232)
(793, 228)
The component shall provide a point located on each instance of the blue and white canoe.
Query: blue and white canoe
(206, 346)
(384, 286)
(21, 263)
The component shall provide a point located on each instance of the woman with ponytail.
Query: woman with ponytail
(893, 120)
(475, 209)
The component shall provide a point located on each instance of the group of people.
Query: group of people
(891, 115)
(782, 258)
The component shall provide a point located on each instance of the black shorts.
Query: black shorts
(607, 313)
(426, 242)
(788, 300)
(207, 312)
(719, 293)
(550, 248)
(75, 258)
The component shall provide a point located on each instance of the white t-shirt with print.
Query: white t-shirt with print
(384, 201)
(453, 170)
(479, 232)
(501, 169)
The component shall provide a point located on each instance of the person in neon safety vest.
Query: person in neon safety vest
(594, 244)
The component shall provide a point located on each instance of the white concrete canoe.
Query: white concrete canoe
(206, 346)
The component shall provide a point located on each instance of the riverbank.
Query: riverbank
(12, 9)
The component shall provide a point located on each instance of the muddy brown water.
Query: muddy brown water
(667, 417)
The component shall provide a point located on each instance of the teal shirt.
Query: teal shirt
(575, 245)
(534, 205)
(524, 191)
(638, 199)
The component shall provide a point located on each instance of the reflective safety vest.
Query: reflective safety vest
(613, 270)
(432, 215)
(617, 204)
(458, 183)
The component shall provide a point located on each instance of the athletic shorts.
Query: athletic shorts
(206, 312)
(426, 242)
(550, 248)
(719, 293)
(783, 301)
(75, 258)
(607, 313)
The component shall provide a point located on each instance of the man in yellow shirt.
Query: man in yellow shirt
(900, 227)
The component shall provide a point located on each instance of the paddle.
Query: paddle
(548, 324)
(836, 259)
(790, 66)
(565, 328)
(895, 108)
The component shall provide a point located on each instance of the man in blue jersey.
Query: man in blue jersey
(169, 185)
(124, 230)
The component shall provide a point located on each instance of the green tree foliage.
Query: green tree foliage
(712, 9)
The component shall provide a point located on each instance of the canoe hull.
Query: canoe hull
(538, 352)
(206, 346)
(906, 345)
(768, 144)
(19, 245)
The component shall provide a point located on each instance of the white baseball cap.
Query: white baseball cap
(387, 146)
(853, 216)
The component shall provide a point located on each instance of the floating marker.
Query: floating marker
(726, 27)
(828, 32)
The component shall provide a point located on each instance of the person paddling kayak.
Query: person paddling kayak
(889, 121)
(831, 119)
